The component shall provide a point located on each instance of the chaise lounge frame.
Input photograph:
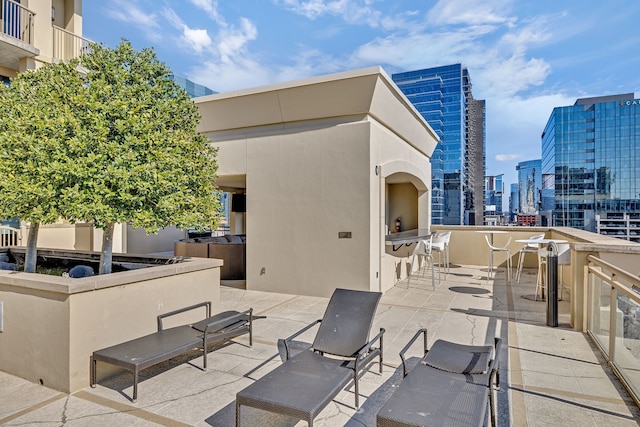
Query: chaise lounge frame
(450, 386)
(306, 382)
(149, 350)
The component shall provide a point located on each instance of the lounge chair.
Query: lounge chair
(449, 386)
(149, 350)
(306, 382)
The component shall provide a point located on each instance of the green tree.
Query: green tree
(36, 122)
(133, 153)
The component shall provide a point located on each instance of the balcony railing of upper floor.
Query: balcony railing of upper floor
(67, 45)
(16, 21)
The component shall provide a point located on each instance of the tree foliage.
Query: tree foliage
(119, 144)
(37, 120)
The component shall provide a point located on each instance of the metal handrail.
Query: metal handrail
(17, 21)
(615, 278)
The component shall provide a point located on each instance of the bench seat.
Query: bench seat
(149, 350)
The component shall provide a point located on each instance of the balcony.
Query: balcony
(67, 45)
(16, 34)
(17, 38)
(549, 376)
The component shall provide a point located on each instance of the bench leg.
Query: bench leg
(237, 414)
(92, 380)
(135, 385)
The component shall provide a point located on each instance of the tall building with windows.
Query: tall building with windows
(529, 192)
(493, 193)
(443, 96)
(591, 159)
(514, 201)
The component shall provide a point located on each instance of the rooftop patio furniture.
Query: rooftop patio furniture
(423, 250)
(306, 382)
(529, 247)
(440, 245)
(149, 350)
(231, 249)
(450, 386)
(494, 248)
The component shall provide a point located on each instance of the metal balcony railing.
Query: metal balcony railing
(16, 21)
(67, 45)
(613, 319)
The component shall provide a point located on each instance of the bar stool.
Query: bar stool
(493, 249)
(529, 248)
(440, 244)
(423, 252)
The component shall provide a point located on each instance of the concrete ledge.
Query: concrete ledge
(52, 325)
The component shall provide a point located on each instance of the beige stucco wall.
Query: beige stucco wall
(52, 325)
(316, 155)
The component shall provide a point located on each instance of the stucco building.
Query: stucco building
(327, 164)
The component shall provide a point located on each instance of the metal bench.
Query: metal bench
(149, 350)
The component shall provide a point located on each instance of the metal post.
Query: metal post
(552, 285)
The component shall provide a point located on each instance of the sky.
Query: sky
(524, 57)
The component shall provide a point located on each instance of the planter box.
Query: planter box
(52, 324)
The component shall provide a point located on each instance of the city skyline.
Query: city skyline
(524, 59)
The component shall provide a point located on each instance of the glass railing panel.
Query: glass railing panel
(599, 319)
(627, 342)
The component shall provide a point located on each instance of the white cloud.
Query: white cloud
(469, 12)
(196, 39)
(231, 75)
(231, 41)
(130, 13)
(211, 7)
(352, 11)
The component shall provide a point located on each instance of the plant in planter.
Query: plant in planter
(107, 139)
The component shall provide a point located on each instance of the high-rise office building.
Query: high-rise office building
(443, 96)
(529, 192)
(590, 158)
(493, 193)
(514, 202)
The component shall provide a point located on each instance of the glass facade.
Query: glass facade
(529, 187)
(443, 96)
(514, 201)
(193, 89)
(590, 159)
(494, 189)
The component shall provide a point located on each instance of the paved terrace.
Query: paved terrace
(550, 376)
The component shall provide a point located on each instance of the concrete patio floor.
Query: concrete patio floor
(549, 376)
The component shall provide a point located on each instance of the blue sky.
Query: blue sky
(524, 57)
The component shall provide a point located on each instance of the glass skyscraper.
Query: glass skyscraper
(591, 160)
(443, 96)
(529, 187)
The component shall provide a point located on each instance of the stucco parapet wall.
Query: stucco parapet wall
(350, 94)
(66, 285)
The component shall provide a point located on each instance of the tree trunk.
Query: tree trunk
(106, 256)
(31, 255)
